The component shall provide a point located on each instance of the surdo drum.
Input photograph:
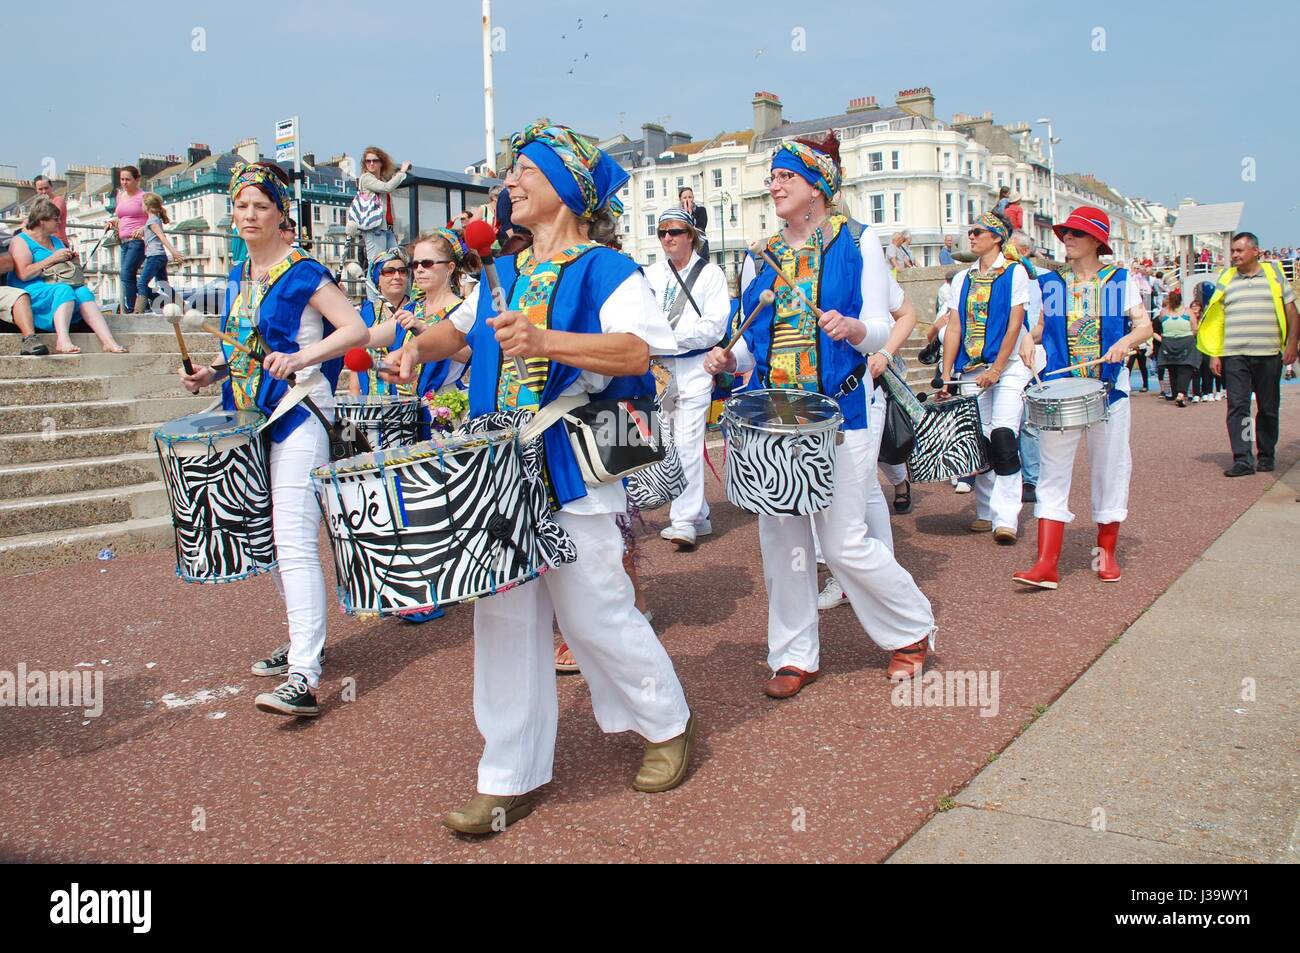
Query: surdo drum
(387, 420)
(214, 465)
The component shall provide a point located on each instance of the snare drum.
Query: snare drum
(950, 441)
(214, 465)
(387, 420)
(1073, 403)
(443, 521)
(781, 451)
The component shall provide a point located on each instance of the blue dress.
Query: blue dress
(47, 296)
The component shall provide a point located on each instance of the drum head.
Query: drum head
(343, 401)
(209, 424)
(784, 409)
(1066, 388)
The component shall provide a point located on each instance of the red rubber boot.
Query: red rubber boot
(1043, 575)
(1107, 536)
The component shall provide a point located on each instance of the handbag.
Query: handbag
(899, 436)
(65, 273)
(367, 212)
(610, 438)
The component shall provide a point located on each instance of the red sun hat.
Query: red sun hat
(1091, 220)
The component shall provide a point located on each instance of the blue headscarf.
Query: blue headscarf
(815, 166)
(585, 178)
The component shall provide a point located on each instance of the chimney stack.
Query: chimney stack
(861, 104)
(918, 101)
(197, 152)
(767, 113)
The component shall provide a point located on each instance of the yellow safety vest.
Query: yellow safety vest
(1209, 335)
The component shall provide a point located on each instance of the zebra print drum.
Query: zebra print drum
(443, 521)
(781, 451)
(1074, 403)
(387, 420)
(950, 441)
(214, 465)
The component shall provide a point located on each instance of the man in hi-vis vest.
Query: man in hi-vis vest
(1249, 330)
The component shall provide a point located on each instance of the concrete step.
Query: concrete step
(95, 365)
(73, 511)
(66, 390)
(74, 476)
(44, 418)
(36, 551)
(22, 448)
(140, 342)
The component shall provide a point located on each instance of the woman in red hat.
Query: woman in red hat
(1091, 311)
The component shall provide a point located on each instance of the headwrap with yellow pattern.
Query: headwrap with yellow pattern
(585, 178)
(258, 173)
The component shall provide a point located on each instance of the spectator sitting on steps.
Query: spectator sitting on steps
(16, 304)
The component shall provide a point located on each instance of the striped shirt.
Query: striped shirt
(1250, 325)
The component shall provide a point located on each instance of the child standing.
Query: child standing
(156, 251)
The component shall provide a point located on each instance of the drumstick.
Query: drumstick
(229, 339)
(479, 235)
(175, 321)
(1075, 367)
(760, 251)
(765, 298)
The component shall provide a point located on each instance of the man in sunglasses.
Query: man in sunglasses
(982, 343)
(1091, 312)
(692, 293)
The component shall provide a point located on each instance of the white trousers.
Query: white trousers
(686, 409)
(886, 600)
(997, 498)
(631, 679)
(1109, 459)
(295, 517)
(877, 509)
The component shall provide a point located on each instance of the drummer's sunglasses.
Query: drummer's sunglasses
(674, 232)
(976, 232)
(1074, 233)
(428, 263)
(396, 270)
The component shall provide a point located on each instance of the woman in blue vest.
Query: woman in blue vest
(584, 320)
(1091, 312)
(284, 307)
(981, 343)
(787, 347)
(391, 274)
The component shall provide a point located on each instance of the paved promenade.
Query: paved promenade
(181, 767)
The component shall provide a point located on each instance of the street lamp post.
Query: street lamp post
(722, 221)
(1051, 166)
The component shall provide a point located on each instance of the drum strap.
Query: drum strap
(851, 382)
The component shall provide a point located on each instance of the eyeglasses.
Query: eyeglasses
(396, 270)
(779, 178)
(977, 232)
(674, 232)
(430, 262)
(1074, 233)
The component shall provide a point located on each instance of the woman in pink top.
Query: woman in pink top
(129, 218)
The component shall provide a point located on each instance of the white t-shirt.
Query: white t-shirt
(631, 309)
(311, 328)
(880, 295)
(693, 331)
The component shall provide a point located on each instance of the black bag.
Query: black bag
(613, 438)
(899, 436)
(346, 438)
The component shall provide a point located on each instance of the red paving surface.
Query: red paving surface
(837, 774)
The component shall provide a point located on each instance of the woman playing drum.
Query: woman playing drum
(284, 307)
(787, 347)
(981, 342)
(583, 320)
(1091, 312)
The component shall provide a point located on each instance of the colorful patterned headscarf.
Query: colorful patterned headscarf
(585, 178)
(817, 167)
(453, 239)
(992, 223)
(258, 173)
(376, 266)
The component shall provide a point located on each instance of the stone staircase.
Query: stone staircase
(78, 470)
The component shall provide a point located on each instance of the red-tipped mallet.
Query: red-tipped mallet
(358, 361)
(479, 235)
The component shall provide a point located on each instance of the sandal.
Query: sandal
(564, 661)
(68, 350)
(903, 500)
(117, 349)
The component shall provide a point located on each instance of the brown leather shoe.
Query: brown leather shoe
(666, 762)
(909, 660)
(980, 526)
(489, 813)
(1004, 536)
(787, 682)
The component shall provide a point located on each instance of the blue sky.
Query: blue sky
(1159, 112)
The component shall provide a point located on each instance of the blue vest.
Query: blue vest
(839, 288)
(999, 316)
(277, 326)
(434, 375)
(582, 286)
(1114, 324)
